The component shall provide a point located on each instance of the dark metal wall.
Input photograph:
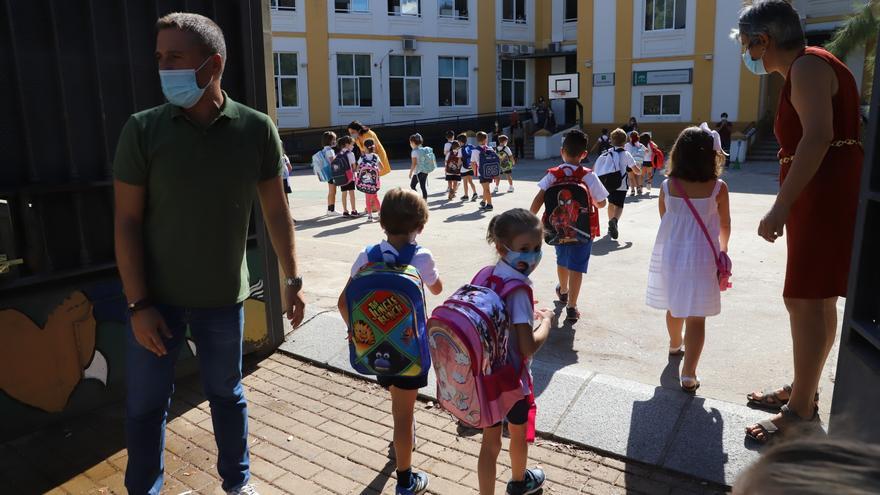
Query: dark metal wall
(856, 390)
(71, 72)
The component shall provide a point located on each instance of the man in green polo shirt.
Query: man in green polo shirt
(186, 177)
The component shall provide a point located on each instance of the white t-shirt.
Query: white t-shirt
(615, 160)
(475, 157)
(506, 149)
(649, 155)
(447, 147)
(521, 311)
(329, 154)
(370, 157)
(597, 190)
(636, 150)
(423, 260)
(415, 153)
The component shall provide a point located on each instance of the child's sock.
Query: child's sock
(404, 478)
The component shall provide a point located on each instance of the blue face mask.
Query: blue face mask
(524, 263)
(754, 66)
(180, 86)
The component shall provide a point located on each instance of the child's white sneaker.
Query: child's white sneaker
(495, 190)
(510, 189)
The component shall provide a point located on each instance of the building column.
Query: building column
(585, 53)
(701, 106)
(623, 64)
(318, 49)
(487, 57)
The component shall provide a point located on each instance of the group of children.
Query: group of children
(337, 164)
(489, 164)
(683, 275)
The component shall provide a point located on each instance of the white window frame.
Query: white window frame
(356, 78)
(566, 14)
(401, 13)
(525, 6)
(455, 77)
(273, 4)
(350, 10)
(454, 16)
(512, 80)
(404, 78)
(662, 96)
(677, 4)
(276, 57)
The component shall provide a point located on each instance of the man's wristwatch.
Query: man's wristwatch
(295, 283)
(139, 305)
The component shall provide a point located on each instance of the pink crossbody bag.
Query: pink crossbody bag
(722, 260)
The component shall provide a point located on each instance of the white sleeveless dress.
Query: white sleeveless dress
(682, 277)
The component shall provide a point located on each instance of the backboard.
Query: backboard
(564, 86)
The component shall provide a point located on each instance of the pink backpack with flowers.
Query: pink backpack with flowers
(477, 380)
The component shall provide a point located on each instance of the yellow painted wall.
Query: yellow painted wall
(705, 37)
(749, 93)
(623, 64)
(487, 57)
(318, 49)
(584, 53)
(543, 23)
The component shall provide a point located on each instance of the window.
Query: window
(405, 85)
(661, 105)
(404, 7)
(513, 83)
(286, 81)
(454, 9)
(665, 14)
(355, 82)
(453, 81)
(571, 11)
(514, 11)
(283, 5)
(348, 6)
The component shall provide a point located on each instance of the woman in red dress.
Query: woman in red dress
(818, 128)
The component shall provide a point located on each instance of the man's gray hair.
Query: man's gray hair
(775, 18)
(205, 31)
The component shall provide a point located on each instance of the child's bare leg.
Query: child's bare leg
(510, 180)
(519, 451)
(574, 287)
(694, 337)
(331, 195)
(487, 194)
(562, 273)
(486, 466)
(344, 200)
(402, 405)
(352, 199)
(674, 326)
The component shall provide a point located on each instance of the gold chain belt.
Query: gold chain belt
(834, 144)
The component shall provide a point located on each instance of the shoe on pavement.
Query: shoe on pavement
(495, 190)
(474, 197)
(244, 490)
(487, 207)
(464, 198)
(612, 228)
(510, 189)
(530, 485)
(572, 314)
(418, 484)
(346, 214)
(563, 298)
(333, 213)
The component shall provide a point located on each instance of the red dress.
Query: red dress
(820, 227)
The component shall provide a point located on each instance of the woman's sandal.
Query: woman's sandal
(693, 386)
(789, 418)
(770, 400)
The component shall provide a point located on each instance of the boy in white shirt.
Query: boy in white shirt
(573, 259)
(613, 168)
(508, 160)
(635, 148)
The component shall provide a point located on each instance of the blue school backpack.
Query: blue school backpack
(490, 164)
(426, 162)
(387, 316)
(466, 151)
(321, 166)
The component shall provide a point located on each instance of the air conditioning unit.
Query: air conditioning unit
(526, 49)
(554, 47)
(509, 49)
(409, 44)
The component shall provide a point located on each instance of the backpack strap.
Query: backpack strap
(375, 254)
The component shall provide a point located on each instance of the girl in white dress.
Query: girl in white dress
(683, 275)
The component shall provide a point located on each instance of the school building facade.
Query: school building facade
(666, 62)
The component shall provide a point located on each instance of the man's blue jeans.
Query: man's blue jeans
(150, 382)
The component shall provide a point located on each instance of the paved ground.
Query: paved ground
(312, 432)
(748, 346)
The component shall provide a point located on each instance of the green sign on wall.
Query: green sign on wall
(657, 77)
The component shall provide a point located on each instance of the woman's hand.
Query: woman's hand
(773, 223)
(543, 314)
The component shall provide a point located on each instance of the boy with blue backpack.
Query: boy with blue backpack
(423, 163)
(384, 307)
(467, 168)
(488, 167)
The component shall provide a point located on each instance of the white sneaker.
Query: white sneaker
(333, 213)
(495, 190)
(245, 490)
(510, 189)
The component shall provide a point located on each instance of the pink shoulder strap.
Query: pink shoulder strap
(696, 214)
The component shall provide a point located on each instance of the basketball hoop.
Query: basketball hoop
(559, 93)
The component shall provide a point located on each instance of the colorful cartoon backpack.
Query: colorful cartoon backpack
(321, 166)
(570, 217)
(341, 169)
(453, 164)
(477, 380)
(367, 177)
(505, 159)
(426, 162)
(386, 308)
(490, 163)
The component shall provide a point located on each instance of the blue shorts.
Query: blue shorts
(574, 257)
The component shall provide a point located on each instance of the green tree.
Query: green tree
(860, 29)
